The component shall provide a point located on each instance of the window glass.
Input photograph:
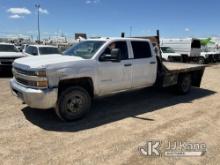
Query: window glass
(48, 50)
(141, 49)
(29, 50)
(8, 48)
(167, 50)
(84, 49)
(196, 44)
(34, 51)
(121, 45)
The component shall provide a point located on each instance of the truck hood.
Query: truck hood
(11, 54)
(43, 61)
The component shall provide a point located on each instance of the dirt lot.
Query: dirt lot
(115, 127)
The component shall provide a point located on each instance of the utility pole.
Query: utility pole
(38, 21)
(131, 28)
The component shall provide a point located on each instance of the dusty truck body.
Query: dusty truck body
(96, 68)
(8, 53)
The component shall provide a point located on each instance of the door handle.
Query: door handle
(127, 65)
(152, 62)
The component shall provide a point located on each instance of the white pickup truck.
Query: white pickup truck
(8, 53)
(95, 68)
(168, 54)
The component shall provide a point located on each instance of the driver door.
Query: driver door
(115, 76)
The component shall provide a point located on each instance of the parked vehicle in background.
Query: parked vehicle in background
(24, 47)
(96, 68)
(8, 53)
(189, 49)
(210, 50)
(168, 54)
(18, 46)
(39, 50)
(210, 56)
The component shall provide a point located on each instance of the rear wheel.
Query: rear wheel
(73, 103)
(184, 84)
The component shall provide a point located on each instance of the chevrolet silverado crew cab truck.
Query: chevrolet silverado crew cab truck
(95, 68)
(8, 53)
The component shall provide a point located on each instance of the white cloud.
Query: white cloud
(92, 1)
(43, 11)
(88, 2)
(17, 11)
(15, 16)
(187, 29)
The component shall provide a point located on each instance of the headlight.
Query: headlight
(41, 73)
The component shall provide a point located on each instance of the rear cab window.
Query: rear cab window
(141, 49)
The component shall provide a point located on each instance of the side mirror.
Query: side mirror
(115, 56)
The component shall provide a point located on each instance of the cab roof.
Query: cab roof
(117, 39)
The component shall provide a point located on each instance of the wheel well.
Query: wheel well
(86, 83)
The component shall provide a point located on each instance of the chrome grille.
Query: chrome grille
(28, 78)
(25, 82)
(25, 72)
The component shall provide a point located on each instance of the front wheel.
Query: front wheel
(184, 84)
(73, 103)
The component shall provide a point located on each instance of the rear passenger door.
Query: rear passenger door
(144, 64)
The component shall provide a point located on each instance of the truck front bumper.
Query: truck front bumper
(35, 98)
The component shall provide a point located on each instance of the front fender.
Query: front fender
(70, 73)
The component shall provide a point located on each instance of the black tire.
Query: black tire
(73, 103)
(201, 60)
(184, 84)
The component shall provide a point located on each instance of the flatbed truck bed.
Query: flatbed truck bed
(174, 73)
(170, 73)
(182, 67)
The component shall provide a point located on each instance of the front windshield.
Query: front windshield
(167, 50)
(48, 50)
(8, 48)
(84, 49)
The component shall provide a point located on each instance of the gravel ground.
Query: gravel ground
(114, 129)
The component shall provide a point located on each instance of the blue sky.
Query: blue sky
(174, 18)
